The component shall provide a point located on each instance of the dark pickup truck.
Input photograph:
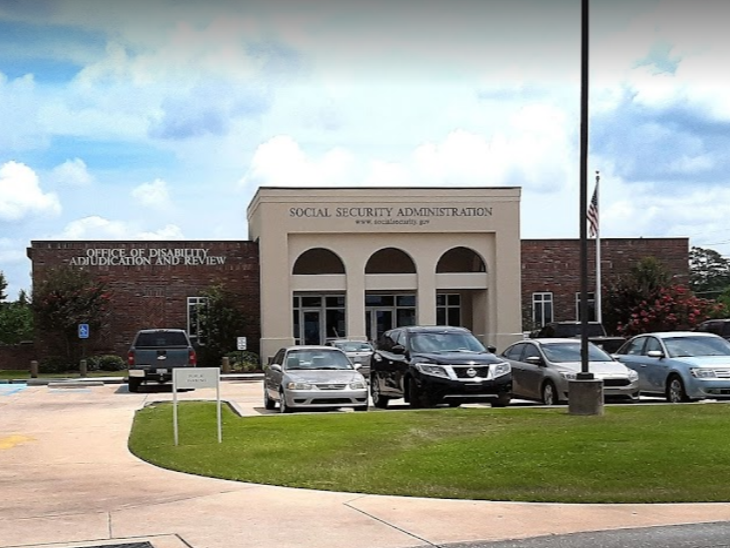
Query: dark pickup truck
(155, 353)
(572, 329)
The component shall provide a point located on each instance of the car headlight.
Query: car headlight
(501, 369)
(357, 385)
(702, 373)
(570, 375)
(633, 375)
(431, 369)
(300, 386)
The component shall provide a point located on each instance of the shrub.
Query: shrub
(55, 364)
(243, 361)
(106, 362)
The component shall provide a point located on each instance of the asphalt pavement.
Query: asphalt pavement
(68, 480)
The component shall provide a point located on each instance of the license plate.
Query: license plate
(161, 371)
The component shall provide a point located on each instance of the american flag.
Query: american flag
(593, 213)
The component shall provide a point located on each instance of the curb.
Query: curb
(99, 381)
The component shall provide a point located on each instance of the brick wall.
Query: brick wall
(554, 266)
(150, 282)
(17, 356)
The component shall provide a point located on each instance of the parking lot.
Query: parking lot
(67, 477)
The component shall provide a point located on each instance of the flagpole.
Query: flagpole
(599, 314)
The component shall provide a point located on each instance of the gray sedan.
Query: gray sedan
(359, 353)
(542, 369)
(313, 377)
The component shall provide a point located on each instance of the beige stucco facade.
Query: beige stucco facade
(363, 248)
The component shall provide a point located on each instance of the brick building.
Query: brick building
(155, 283)
(551, 271)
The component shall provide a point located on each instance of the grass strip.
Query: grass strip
(631, 454)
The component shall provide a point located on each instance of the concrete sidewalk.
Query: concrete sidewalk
(67, 477)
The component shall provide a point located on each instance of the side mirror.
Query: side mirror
(275, 367)
(655, 354)
(491, 348)
(398, 349)
(535, 360)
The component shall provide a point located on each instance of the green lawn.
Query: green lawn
(21, 374)
(654, 453)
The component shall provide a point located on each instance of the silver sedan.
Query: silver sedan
(542, 369)
(313, 377)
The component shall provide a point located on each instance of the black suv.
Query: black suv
(718, 327)
(430, 365)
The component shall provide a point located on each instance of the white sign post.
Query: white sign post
(241, 343)
(196, 377)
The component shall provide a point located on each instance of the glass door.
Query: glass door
(311, 325)
(377, 322)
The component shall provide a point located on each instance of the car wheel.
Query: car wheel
(549, 394)
(675, 390)
(268, 402)
(133, 384)
(414, 398)
(283, 407)
(361, 408)
(502, 401)
(379, 401)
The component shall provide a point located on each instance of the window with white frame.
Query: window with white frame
(542, 308)
(196, 306)
(591, 306)
(448, 309)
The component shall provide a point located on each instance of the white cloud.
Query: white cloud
(21, 195)
(72, 172)
(280, 161)
(154, 195)
(99, 228)
(533, 150)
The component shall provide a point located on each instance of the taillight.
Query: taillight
(192, 358)
(130, 358)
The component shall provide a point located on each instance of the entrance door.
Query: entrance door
(312, 327)
(377, 322)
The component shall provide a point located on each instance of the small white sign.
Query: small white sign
(196, 377)
(241, 343)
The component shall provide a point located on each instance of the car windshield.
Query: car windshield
(445, 341)
(354, 346)
(684, 347)
(570, 352)
(317, 360)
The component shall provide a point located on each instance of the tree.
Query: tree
(220, 323)
(709, 272)
(65, 298)
(646, 300)
(3, 286)
(16, 322)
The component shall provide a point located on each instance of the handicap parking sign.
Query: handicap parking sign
(83, 331)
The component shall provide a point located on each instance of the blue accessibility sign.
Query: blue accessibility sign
(83, 331)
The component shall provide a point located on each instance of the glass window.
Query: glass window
(379, 300)
(334, 302)
(531, 351)
(652, 343)
(405, 300)
(448, 309)
(635, 347)
(542, 308)
(196, 309)
(312, 302)
(514, 352)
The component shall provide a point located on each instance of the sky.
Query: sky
(160, 119)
